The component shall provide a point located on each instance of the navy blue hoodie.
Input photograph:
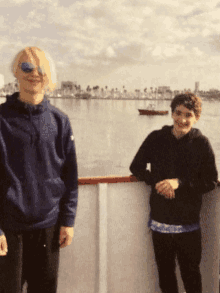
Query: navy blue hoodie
(190, 159)
(38, 182)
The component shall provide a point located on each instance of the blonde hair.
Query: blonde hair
(44, 59)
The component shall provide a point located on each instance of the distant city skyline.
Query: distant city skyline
(75, 87)
(131, 43)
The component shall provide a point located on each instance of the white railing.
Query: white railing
(112, 249)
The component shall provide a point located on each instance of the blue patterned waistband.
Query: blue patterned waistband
(165, 228)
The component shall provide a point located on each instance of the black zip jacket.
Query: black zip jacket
(189, 159)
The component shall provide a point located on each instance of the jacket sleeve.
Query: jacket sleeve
(68, 204)
(2, 195)
(4, 179)
(3, 189)
(138, 166)
(207, 176)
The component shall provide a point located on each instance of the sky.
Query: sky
(130, 43)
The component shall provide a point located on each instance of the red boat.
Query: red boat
(152, 112)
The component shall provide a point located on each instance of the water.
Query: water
(108, 133)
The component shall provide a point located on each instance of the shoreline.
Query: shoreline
(99, 98)
(120, 98)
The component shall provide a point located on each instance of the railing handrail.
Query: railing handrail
(110, 179)
(106, 179)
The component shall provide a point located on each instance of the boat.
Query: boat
(152, 112)
(83, 95)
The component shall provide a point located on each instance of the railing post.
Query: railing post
(103, 286)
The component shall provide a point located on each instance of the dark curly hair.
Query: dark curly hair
(188, 100)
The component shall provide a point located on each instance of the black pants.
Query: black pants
(32, 257)
(187, 248)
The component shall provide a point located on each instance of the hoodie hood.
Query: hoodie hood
(193, 133)
(13, 102)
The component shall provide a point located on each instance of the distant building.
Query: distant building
(196, 86)
(163, 89)
(68, 85)
(214, 91)
(176, 92)
(164, 92)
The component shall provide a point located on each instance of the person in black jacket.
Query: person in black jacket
(182, 169)
(39, 181)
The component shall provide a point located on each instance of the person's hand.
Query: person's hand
(167, 187)
(66, 236)
(3, 245)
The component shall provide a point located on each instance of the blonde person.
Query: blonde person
(38, 195)
(182, 169)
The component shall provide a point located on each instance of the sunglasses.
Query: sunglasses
(28, 67)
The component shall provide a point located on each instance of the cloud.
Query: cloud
(206, 32)
(157, 52)
(197, 52)
(2, 23)
(147, 11)
(60, 15)
(19, 1)
(110, 52)
(121, 32)
(91, 33)
(36, 16)
(20, 25)
(165, 51)
(11, 3)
